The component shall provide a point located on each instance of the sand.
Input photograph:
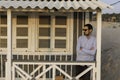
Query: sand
(110, 50)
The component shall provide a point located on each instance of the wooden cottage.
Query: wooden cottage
(38, 38)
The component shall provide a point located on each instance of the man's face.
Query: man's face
(87, 31)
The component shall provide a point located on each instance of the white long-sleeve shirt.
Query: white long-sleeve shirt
(86, 54)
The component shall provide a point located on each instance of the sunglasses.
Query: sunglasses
(85, 29)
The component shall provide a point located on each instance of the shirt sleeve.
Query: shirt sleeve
(90, 52)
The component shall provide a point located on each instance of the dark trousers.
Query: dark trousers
(80, 69)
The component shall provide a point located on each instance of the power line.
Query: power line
(115, 3)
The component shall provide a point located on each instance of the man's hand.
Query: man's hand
(81, 48)
(92, 48)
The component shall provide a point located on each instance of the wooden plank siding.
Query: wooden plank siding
(77, 31)
(35, 56)
(25, 56)
(77, 28)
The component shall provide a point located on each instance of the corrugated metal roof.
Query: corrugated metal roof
(75, 4)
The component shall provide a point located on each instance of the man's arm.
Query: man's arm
(90, 51)
(78, 48)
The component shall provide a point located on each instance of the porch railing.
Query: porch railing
(32, 57)
(52, 69)
(44, 67)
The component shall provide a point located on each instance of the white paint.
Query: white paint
(98, 57)
(9, 46)
(54, 66)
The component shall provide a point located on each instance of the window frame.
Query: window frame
(15, 37)
(52, 48)
(33, 37)
(3, 37)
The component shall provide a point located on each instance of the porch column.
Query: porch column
(98, 57)
(9, 46)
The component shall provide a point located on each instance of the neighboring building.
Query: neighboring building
(39, 36)
(113, 19)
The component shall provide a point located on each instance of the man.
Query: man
(86, 49)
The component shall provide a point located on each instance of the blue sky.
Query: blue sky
(116, 8)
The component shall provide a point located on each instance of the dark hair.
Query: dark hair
(89, 26)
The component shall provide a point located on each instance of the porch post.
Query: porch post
(98, 57)
(9, 46)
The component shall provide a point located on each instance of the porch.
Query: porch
(45, 67)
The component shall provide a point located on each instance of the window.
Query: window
(44, 29)
(3, 31)
(52, 33)
(60, 31)
(37, 32)
(22, 31)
